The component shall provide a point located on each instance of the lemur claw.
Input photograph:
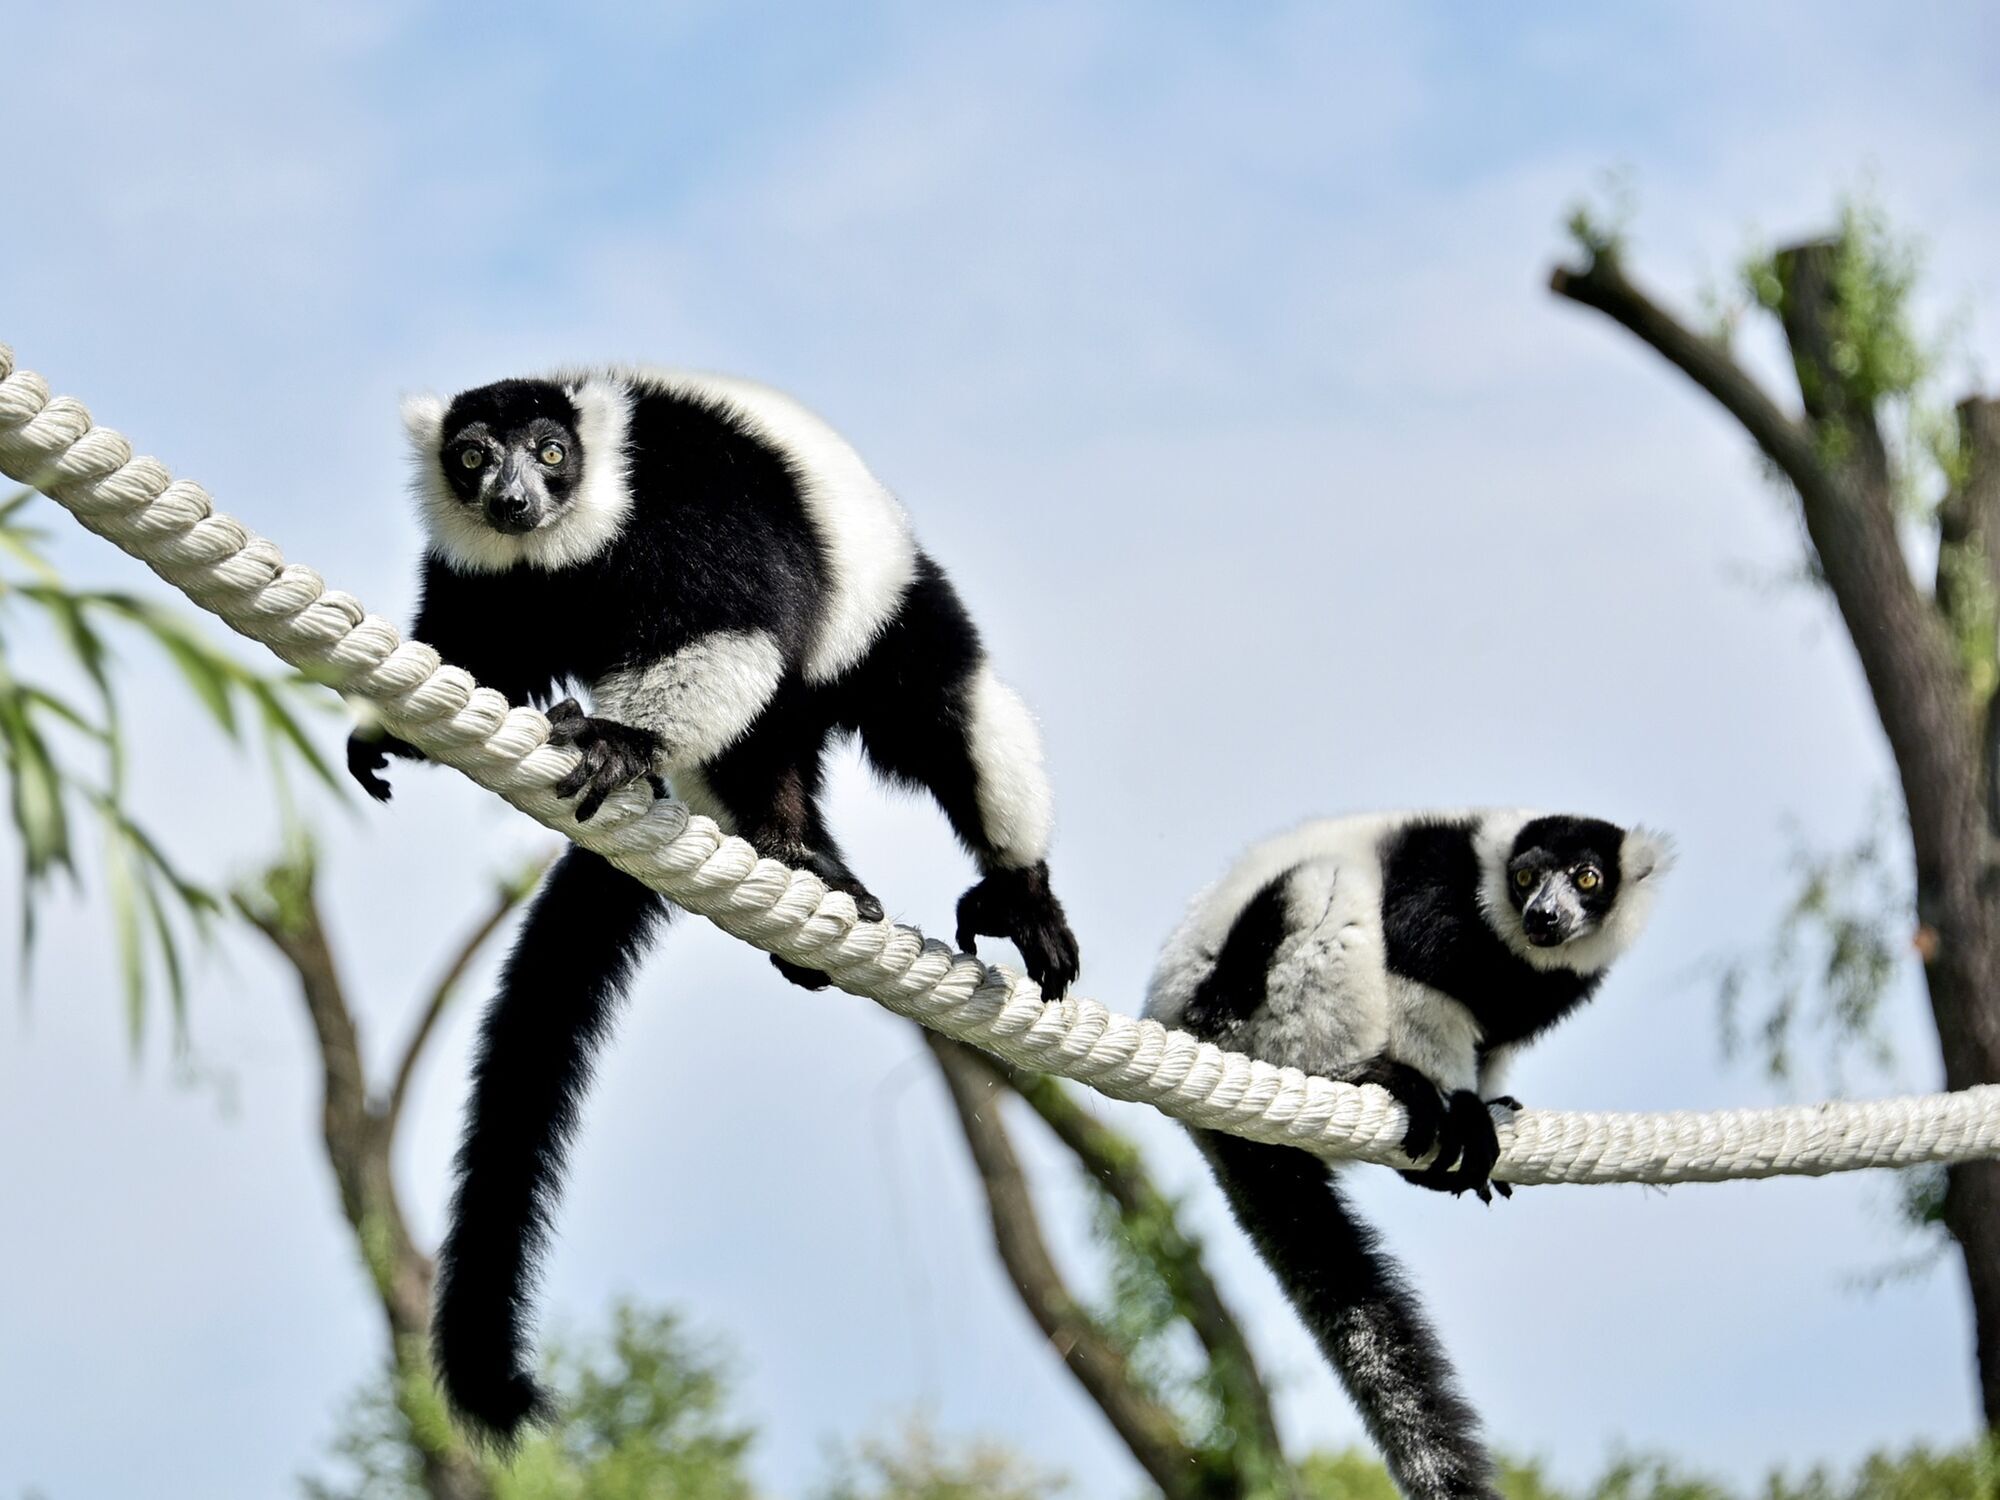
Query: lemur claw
(1019, 906)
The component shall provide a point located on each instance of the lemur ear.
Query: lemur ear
(423, 420)
(1644, 854)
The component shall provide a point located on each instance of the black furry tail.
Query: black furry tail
(1365, 1318)
(585, 930)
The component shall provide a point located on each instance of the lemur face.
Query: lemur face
(510, 452)
(1563, 877)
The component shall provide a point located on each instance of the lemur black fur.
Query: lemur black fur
(735, 589)
(1417, 953)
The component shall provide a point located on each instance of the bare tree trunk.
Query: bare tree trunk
(1936, 715)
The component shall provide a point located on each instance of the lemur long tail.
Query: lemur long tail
(1361, 1312)
(584, 931)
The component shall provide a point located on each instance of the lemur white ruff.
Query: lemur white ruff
(735, 588)
(1418, 952)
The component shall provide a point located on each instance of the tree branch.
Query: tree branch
(1968, 575)
(510, 895)
(1118, 1168)
(1601, 283)
(1850, 519)
(1808, 308)
(285, 909)
(1148, 1429)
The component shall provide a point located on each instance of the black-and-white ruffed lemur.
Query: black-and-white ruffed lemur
(1418, 952)
(735, 589)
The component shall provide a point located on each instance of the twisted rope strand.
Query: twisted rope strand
(50, 443)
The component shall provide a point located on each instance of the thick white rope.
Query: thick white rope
(51, 444)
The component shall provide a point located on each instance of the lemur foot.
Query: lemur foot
(1475, 1144)
(613, 754)
(1019, 906)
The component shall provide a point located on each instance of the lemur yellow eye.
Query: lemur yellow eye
(1587, 879)
(1524, 878)
(472, 455)
(551, 454)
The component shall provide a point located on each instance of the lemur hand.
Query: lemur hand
(368, 754)
(612, 755)
(1421, 1101)
(1019, 906)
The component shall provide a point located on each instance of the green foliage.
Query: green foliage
(1839, 945)
(1348, 1475)
(1599, 226)
(64, 754)
(919, 1467)
(1968, 1473)
(646, 1417)
(1882, 362)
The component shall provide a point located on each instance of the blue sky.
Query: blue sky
(1211, 351)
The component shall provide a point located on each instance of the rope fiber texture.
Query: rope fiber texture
(51, 444)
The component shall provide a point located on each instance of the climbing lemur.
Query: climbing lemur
(735, 589)
(1418, 952)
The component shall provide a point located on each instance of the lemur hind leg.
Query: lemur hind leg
(770, 790)
(932, 715)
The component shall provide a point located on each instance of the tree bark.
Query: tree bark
(1149, 1431)
(1838, 463)
(1115, 1163)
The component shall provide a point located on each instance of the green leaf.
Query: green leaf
(209, 678)
(121, 885)
(285, 729)
(14, 503)
(18, 543)
(85, 644)
(37, 790)
(170, 955)
(43, 699)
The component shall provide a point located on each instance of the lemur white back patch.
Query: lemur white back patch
(577, 532)
(862, 530)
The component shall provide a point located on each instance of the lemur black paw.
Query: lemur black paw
(368, 755)
(366, 759)
(1507, 1102)
(1421, 1102)
(1475, 1143)
(1019, 906)
(866, 907)
(800, 975)
(612, 755)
